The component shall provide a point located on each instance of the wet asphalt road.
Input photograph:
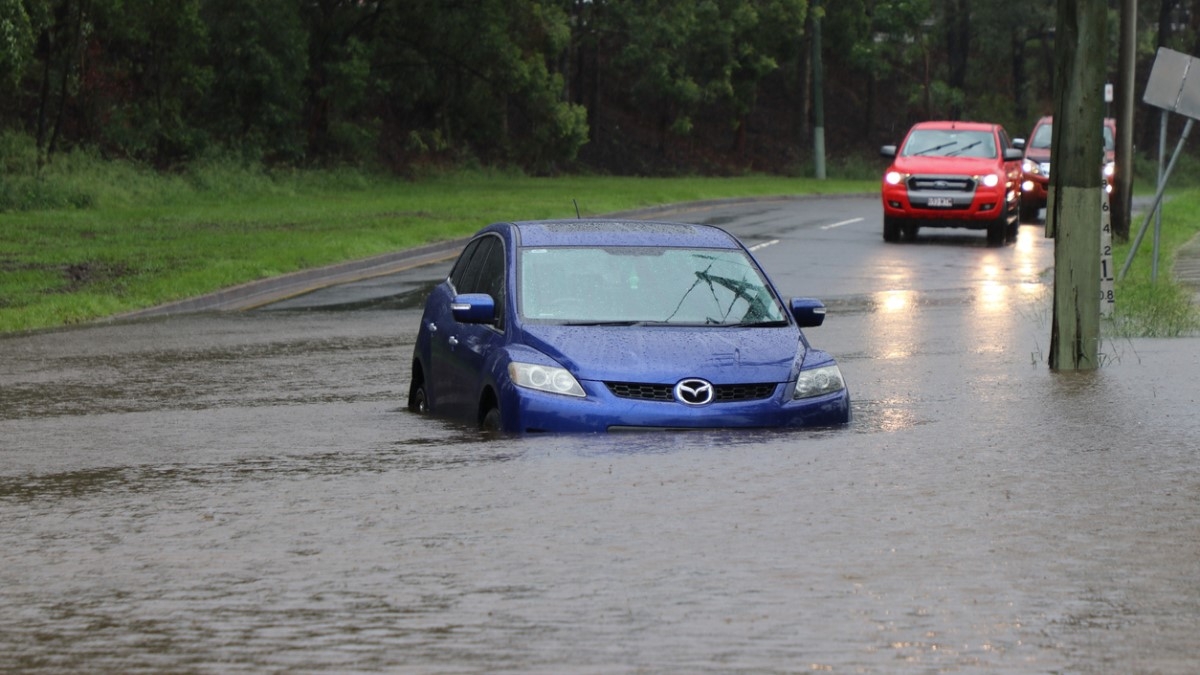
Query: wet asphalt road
(243, 492)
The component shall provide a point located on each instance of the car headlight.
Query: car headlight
(1110, 168)
(544, 378)
(818, 381)
(1029, 166)
(991, 180)
(893, 177)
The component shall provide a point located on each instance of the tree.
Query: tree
(259, 49)
(144, 77)
(16, 42)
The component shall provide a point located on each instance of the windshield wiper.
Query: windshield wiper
(964, 148)
(602, 323)
(775, 323)
(935, 148)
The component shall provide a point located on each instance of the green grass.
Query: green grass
(1162, 307)
(145, 239)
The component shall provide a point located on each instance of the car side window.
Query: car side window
(463, 265)
(491, 277)
(483, 272)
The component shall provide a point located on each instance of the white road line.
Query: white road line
(764, 244)
(844, 222)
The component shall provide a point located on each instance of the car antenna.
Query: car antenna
(576, 203)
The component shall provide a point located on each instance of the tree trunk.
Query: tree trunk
(958, 45)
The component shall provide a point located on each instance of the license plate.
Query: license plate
(940, 202)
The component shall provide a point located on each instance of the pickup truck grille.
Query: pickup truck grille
(941, 184)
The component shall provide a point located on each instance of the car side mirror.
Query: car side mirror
(1013, 155)
(1018, 143)
(808, 312)
(473, 308)
(888, 151)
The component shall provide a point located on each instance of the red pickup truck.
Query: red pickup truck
(953, 174)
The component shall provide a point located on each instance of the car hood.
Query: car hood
(945, 165)
(670, 353)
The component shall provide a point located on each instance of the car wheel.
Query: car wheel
(418, 402)
(1029, 214)
(1014, 228)
(997, 231)
(891, 229)
(491, 420)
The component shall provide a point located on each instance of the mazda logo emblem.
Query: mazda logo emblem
(694, 391)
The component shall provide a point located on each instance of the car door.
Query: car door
(468, 345)
(440, 327)
(1012, 168)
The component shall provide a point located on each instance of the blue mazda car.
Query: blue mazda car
(606, 325)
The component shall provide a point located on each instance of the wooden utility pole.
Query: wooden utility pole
(1122, 196)
(1073, 218)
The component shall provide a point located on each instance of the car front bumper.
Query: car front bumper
(533, 411)
(968, 210)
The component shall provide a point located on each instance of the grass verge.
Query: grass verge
(146, 239)
(1146, 307)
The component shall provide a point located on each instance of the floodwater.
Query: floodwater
(245, 493)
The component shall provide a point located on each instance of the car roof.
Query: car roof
(952, 124)
(601, 232)
(1049, 119)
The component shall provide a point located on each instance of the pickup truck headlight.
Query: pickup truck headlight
(893, 177)
(991, 180)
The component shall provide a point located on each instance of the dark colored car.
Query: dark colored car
(593, 325)
(1036, 165)
(953, 174)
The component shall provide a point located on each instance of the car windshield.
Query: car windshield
(950, 143)
(1042, 138)
(640, 285)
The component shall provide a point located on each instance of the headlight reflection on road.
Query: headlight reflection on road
(992, 294)
(891, 302)
(895, 323)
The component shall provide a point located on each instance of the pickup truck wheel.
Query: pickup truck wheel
(891, 229)
(997, 231)
(1029, 213)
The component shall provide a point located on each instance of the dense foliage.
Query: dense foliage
(625, 86)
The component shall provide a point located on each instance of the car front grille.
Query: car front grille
(722, 393)
(941, 184)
